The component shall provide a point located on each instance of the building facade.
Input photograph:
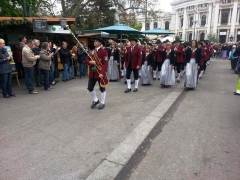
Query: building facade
(162, 21)
(196, 19)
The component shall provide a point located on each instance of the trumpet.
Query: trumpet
(97, 68)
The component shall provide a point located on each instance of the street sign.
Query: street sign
(63, 23)
(39, 24)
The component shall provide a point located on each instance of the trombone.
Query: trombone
(98, 66)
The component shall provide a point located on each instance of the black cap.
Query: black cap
(99, 38)
(177, 39)
(159, 41)
(133, 39)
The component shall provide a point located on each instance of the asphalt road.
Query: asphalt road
(199, 139)
(56, 136)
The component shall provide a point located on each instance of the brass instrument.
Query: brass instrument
(97, 68)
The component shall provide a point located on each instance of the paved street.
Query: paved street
(56, 136)
(199, 139)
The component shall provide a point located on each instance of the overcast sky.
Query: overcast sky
(165, 5)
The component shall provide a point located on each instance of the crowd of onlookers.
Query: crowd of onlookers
(37, 62)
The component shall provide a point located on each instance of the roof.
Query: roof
(49, 19)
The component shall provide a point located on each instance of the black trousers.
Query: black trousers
(92, 83)
(157, 65)
(130, 70)
(180, 66)
(205, 65)
(20, 69)
(37, 74)
(122, 65)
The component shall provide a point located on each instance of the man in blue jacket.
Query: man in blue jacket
(5, 72)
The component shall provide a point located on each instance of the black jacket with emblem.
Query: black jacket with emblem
(5, 66)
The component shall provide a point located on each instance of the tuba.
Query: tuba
(104, 81)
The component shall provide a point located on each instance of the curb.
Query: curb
(110, 167)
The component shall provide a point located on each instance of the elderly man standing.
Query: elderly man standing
(36, 50)
(5, 71)
(29, 60)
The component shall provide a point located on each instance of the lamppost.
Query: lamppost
(195, 22)
(146, 15)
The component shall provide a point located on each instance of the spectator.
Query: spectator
(238, 70)
(45, 64)
(74, 51)
(52, 49)
(56, 57)
(19, 66)
(5, 72)
(231, 57)
(65, 57)
(82, 55)
(29, 60)
(224, 51)
(71, 67)
(36, 50)
(17, 56)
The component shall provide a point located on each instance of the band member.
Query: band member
(133, 62)
(158, 60)
(147, 66)
(203, 59)
(114, 59)
(193, 57)
(100, 59)
(206, 50)
(167, 78)
(122, 56)
(179, 49)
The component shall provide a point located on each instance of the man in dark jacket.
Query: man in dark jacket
(5, 71)
(82, 55)
(36, 50)
(65, 57)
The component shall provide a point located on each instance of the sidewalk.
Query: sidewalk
(200, 140)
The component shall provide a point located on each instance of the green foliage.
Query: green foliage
(13, 8)
(213, 38)
(97, 14)
(12, 24)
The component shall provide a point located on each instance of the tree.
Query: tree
(14, 7)
(213, 38)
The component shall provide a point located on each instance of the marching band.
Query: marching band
(138, 61)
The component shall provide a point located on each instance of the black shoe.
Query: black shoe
(135, 90)
(154, 79)
(236, 93)
(39, 85)
(7, 96)
(101, 106)
(127, 90)
(94, 104)
(125, 82)
(158, 78)
(12, 95)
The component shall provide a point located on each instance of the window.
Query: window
(202, 36)
(191, 21)
(167, 25)
(155, 25)
(181, 22)
(147, 26)
(203, 20)
(190, 37)
(226, 1)
(224, 19)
